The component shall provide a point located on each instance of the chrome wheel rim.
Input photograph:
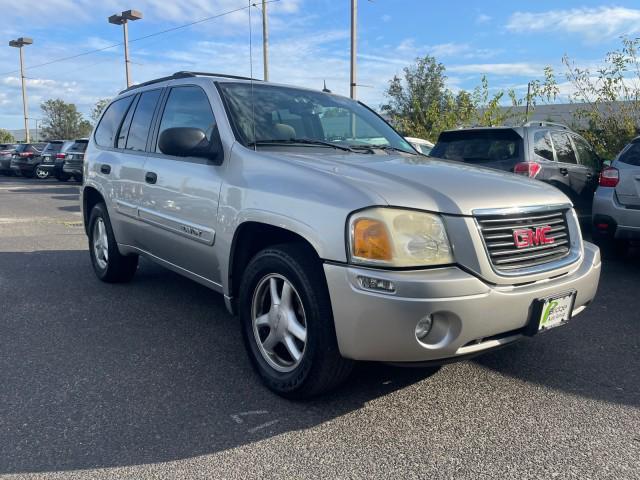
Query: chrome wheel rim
(100, 243)
(40, 173)
(279, 323)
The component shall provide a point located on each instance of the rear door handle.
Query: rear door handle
(150, 177)
(106, 169)
(564, 171)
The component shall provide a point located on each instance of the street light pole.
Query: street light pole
(265, 41)
(123, 19)
(354, 33)
(19, 43)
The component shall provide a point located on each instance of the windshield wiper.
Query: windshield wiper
(299, 141)
(371, 148)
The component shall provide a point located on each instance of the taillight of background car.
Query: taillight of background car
(609, 177)
(26, 154)
(61, 155)
(529, 169)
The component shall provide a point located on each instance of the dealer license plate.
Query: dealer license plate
(555, 310)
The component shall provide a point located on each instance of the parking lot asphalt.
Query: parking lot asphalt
(150, 380)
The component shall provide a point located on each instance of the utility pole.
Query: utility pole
(123, 19)
(19, 43)
(354, 33)
(265, 41)
(526, 113)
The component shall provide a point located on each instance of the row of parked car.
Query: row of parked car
(604, 193)
(62, 159)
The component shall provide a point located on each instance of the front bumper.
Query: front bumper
(469, 316)
(626, 221)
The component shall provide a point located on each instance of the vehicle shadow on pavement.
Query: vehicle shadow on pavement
(596, 355)
(98, 375)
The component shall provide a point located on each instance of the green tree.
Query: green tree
(98, 108)
(62, 120)
(5, 136)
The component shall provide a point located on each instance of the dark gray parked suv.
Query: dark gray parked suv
(546, 151)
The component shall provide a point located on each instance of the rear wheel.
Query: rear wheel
(41, 173)
(63, 177)
(287, 323)
(109, 264)
(610, 247)
(78, 178)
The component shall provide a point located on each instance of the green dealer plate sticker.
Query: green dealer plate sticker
(556, 310)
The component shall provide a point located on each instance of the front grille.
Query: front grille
(498, 235)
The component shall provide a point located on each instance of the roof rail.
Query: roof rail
(545, 124)
(185, 74)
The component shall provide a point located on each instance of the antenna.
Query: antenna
(253, 109)
(325, 89)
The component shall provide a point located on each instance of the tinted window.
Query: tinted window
(79, 146)
(188, 107)
(586, 155)
(564, 149)
(53, 147)
(139, 129)
(473, 146)
(542, 144)
(631, 155)
(110, 122)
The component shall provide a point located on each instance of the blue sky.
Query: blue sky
(509, 42)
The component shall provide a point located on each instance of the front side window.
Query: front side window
(542, 144)
(564, 149)
(263, 114)
(188, 107)
(141, 122)
(586, 155)
(110, 122)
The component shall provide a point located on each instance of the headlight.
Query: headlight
(398, 238)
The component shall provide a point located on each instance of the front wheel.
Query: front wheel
(287, 323)
(41, 173)
(109, 264)
(63, 177)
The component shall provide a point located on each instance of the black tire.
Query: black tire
(41, 173)
(63, 177)
(610, 248)
(28, 173)
(321, 368)
(118, 268)
(78, 178)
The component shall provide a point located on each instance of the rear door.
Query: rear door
(628, 164)
(181, 196)
(590, 162)
(568, 167)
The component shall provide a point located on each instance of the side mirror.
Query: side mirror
(191, 142)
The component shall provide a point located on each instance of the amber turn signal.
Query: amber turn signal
(371, 240)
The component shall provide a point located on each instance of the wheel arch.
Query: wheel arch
(90, 197)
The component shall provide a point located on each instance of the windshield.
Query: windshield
(473, 146)
(283, 115)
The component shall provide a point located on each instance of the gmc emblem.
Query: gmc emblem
(527, 237)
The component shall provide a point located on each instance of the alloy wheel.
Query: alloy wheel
(100, 243)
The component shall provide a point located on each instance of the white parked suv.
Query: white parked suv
(328, 235)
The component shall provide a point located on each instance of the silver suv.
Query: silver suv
(328, 235)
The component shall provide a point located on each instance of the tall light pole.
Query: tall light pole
(265, 41)
(19, 43)
(354, 33)
(122, 19)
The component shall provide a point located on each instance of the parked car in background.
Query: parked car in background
(616, 204)
(545, 151)
(52, 158)
(26, 158)
(74, 159)
(6, 152)
(330, 249)
(421, 145)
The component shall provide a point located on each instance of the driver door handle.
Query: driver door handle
(150, 177)
(564, 171)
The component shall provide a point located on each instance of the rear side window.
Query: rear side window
(542, 144)
(477, 146)
(141, 122)
(586, 155)
(110, 122)
(188, 107)
(564, 149)
(631, 155)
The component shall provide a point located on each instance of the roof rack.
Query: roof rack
(185, 74)
(545, 124)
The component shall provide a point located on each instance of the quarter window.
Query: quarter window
(564, 149)
(542, 144)
(188, 107)
(139, 129)
(110, 122)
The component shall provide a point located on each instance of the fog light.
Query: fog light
(423, 327)
(379, 284)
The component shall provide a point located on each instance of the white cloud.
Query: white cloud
(592, 23)
(507, 69)
(483, 18)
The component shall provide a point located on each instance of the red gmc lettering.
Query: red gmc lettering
(527, 237)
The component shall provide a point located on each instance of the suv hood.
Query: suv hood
(428, 184)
